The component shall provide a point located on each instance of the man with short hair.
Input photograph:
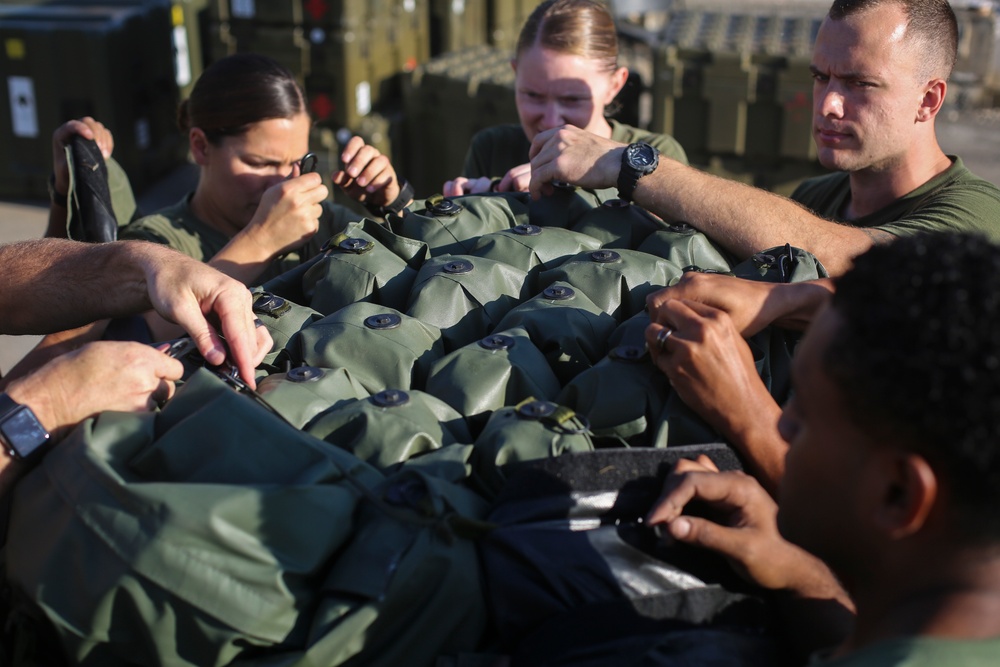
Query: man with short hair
(880, 70)
(893, 466)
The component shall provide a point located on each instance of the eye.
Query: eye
(820, 78)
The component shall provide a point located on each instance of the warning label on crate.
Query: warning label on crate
(182, 57)
(363, 98)
(23, 110)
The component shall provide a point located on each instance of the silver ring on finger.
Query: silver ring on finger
(661, 337)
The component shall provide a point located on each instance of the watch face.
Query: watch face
(23, 433)
(641, 155)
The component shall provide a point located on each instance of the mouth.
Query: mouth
(830, 136)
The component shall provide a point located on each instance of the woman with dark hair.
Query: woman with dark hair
(257, 210)
(567, 73)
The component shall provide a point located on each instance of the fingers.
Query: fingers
(366, 171)
(701, 464)
(248, 343)
(455, 188)
(517, 179)
(724, 490)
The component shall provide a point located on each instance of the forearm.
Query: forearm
(794, 305)
(752, 430)
(243, 259)
(745, 219)
(53, 284)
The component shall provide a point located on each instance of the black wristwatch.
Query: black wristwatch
(637, 161)
(21, 434)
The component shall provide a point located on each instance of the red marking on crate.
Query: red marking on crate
(322, 106)
(317, 8)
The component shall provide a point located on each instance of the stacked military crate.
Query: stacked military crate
(62, 60)
(349, 55)
(735, 89)
(467, 87)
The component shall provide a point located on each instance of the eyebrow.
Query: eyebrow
(847, 76)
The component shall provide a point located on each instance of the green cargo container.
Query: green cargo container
(457, 25)
(445, 102)
(64, 62)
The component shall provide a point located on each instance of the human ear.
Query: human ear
(199, 146)
(932, 100)
(909, 493)
(618, 79)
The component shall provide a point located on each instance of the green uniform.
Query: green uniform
(956, 200)
(496, 150)
(921, 652)
(178, 227)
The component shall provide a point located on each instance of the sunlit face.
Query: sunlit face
(828, 467)
(236, 172)
(867, 90)
(555, 89)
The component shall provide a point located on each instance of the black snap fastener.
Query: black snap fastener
(457, 267)
(536, 410)
(268, 304)
(305, 374)
(558, 292)
(390, 398)
(357, 246)
(527, 230)
(763, 259)
(383, 321)
(563, 185)
(627, 353)
(497, 342)
(604, 256)
(445, 208)
(681, 228)
(616, 203)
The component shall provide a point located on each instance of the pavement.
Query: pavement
(973, 135)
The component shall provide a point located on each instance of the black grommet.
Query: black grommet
(497, 342)
(457, 267)
(558, 292)
(357, 246)
(604, 256)
(616, 203)
(305, 373)
(627, 353)
(681, 228)
(268, 304)
(763, 259)
(536, 410)
(527, 230)
(383, 321)
(563, 185)
(390, 398)
(444, 208)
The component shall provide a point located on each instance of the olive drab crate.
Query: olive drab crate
(445, 102)
(456, 25)
(113, 62)
(348, 55)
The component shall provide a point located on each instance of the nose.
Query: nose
(553, 116)
(831, 102)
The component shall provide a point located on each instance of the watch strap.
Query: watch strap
(56, 198)
(628, 178)
(404, 197)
